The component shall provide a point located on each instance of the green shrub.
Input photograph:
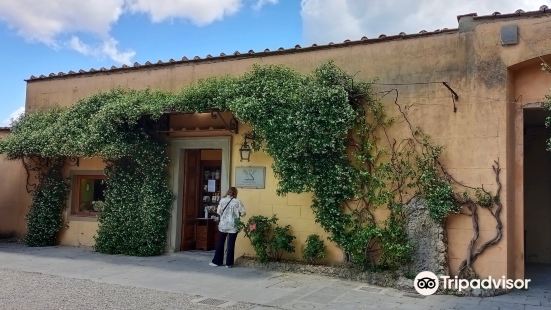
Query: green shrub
(314, 249)
(258, 229)
(268, 240)
(135, 215)
(282, 241)
(45, 218)
(395, 246)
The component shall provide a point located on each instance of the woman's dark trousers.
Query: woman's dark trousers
(219, 250)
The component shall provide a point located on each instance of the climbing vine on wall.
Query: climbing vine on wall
(45, 218)
(326, 132)
(135, 215)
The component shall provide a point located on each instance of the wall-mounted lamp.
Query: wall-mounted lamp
(246, 150)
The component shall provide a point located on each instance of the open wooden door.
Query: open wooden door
(192, 163)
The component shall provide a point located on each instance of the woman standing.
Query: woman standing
(230, 208)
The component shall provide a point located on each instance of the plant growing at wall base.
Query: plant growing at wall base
(258, 229)
(314, 249)
(134, 218)
(282, 242)
(45, 218)
(396, 249)
(269, 240)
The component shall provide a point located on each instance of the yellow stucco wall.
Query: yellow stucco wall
(14, 199)
(292, 209)
(484, 128)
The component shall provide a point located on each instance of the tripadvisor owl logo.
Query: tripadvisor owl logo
(426, 283)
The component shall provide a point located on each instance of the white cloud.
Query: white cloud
(109, 48)
(262, 3)
(13, 116)
(76, 44)
(50, 22)
(44, 21)
(328, 20)
(199, 12)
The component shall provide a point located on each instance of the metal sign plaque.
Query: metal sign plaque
(250, 177)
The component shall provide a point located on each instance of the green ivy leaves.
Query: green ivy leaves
(135, 216)
(305, 123)
(45, 218)
(268, 239)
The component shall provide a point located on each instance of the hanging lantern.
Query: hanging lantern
(245, 151)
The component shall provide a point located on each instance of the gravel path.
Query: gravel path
(27, 290)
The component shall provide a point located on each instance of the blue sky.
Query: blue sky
(39, 37)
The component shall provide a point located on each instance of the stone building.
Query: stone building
(492, 64)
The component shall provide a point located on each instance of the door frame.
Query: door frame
(521, 175)
(177, 148)
(516, 264)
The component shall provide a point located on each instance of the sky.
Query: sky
(43, 36)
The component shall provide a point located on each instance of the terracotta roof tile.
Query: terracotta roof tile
(543, 10)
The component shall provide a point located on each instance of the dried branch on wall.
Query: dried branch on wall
(467, 198)
(494, 207)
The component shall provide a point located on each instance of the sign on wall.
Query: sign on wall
(250, 177)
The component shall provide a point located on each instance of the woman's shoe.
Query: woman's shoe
(213, 264)
(229, 266)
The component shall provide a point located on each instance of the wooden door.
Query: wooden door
(190, 207)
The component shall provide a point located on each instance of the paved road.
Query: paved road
(78, 278)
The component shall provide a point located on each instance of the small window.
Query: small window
(87, 190)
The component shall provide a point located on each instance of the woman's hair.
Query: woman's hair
(232, 191)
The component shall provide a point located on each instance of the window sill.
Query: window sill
(83, 218)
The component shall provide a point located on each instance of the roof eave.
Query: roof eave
(250, 54)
